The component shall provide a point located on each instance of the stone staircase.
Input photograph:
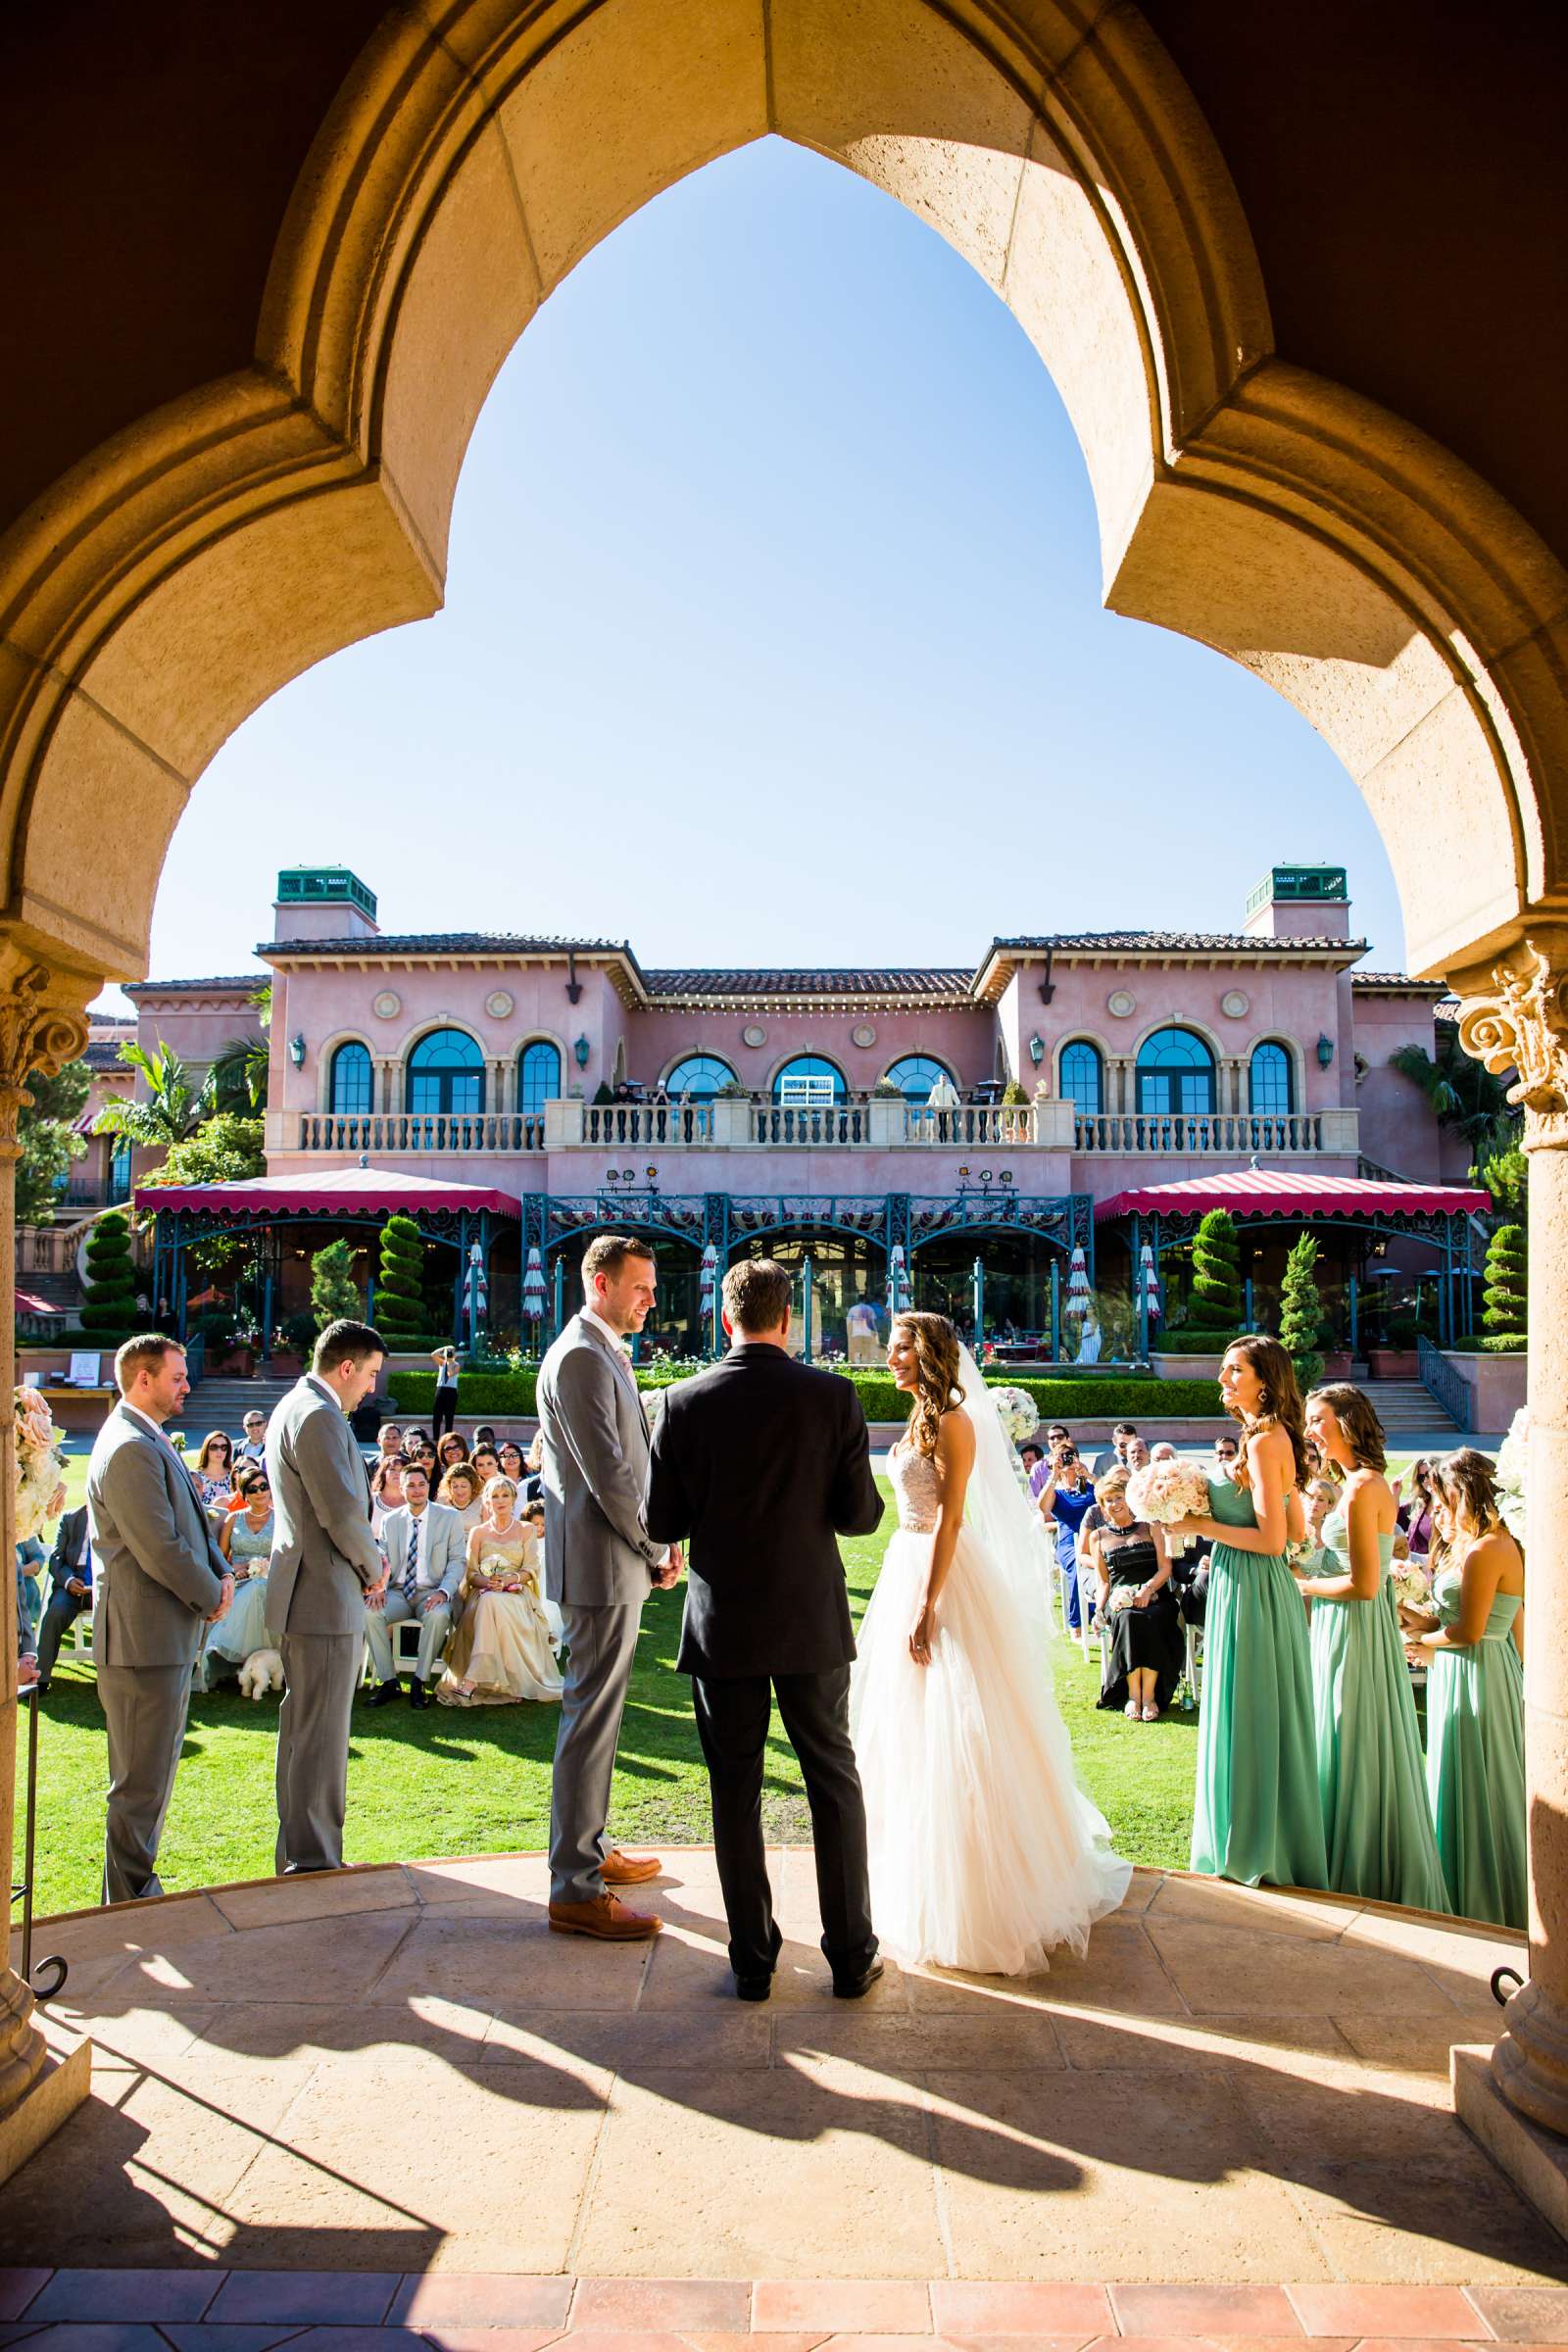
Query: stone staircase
(1406, 1405)
(220, 1403)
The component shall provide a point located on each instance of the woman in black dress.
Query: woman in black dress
(1146, 1648)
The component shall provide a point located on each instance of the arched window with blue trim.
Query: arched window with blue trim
(1083, 1077)
(119, 1170)
(699, 1078)
(349, 1080)
(810, 1078)
(1270, 1081)
(446, 1073)
(538, 1075)
(1175, 1072)
(916, 1076)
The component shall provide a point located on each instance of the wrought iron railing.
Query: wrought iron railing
(1444, 1384)
(454, 1133)
(1193, 1133)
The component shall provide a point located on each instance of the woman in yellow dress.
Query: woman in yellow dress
(501, 1650)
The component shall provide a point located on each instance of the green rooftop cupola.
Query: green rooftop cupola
(1301, 902)
(323, 902)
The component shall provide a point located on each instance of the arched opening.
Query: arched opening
(676, 1326)
(538, 1075)
(350, 1086)
(698, 1078)
(807, 1081)
(445, 1075)
(846, 1269)
(1271, 1080)
(1176, 1073)
(1081, 1077)
(921, 1079)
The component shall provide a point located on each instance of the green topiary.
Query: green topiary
(1301, 1313)
(400, 1310)
(109, 1309)
(334, 1292)
(1506, 1307)
(1217, 1300)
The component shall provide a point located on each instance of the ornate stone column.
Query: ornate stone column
(1514, 1017)
(42, 1027)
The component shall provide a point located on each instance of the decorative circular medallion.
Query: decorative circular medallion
(1235, 1002)
(1121, 1001)
(388, 1006)
(498, 1003)
(863, 1034)
(752, 1035)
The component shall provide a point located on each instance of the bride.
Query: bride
(985, 1854)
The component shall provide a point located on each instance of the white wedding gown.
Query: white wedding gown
(985, 1852)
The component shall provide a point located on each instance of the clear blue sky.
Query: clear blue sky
(773, 635)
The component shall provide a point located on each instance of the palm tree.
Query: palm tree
(172, 1110)
(1462, 1093)
(237, 1079)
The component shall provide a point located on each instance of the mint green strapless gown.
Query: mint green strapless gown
(1371, 1776)
(1256, 1813)
(1476, 1762)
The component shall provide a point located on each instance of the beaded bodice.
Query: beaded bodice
(1128, 1553)
(248, 1544)
(918, 1487)
(513, 1554)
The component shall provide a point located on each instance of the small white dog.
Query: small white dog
(262, 1671)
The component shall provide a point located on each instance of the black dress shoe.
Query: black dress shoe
(417, 1697)
(851, 1988)
(753, 1988)
(384, 1696)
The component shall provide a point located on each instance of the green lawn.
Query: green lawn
(441, 1783)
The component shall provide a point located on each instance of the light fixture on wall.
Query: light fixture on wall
(296, 1051)
(581, 1050)
(1037, 1050)
(1324, 1052)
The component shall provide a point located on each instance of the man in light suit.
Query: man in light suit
(161, 1578)
(426, 1545)
(600, 1565)
(325, 1565)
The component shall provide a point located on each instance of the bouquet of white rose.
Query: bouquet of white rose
(1412, 1585)
(40, 1493)
(1019, 1413)
(1512, 1457)
(1164, 1493)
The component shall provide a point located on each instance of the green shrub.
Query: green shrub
(334, 1292)
(400, 1310)
(1487, 1343)
(109, 1311)
(1301, 1313)
(1186, 1340)
(1506, 1308)
(1216, 1302)
(1082, 1398)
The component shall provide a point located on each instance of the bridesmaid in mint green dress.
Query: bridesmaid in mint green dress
(1256, 1815)
(1370, 1771)
(1475, 1697)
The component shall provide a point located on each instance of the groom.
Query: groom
(763, 1463)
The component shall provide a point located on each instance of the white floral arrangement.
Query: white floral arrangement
(1018, 1411)
(1163, 1493)
(1124, 1598)
(1512, 1459)
(40, 1492)
(1412, 1586)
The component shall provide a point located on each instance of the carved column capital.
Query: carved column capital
(44, 1025)
(1515, 1017)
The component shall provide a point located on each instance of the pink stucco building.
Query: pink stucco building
(832, 1113)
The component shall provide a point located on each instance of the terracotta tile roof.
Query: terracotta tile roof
(1435, 988)
(444, 943)
(926, 982)
(103, 1055)
(181, 988)
(1155, 943)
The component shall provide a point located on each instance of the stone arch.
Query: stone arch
(215, 548)
(326, 1053)
(1083, 1037)
(1294, 1052)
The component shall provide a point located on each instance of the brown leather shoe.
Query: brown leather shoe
(605, 1917)
(630, 1870)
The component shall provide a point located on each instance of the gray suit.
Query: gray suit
(324, 1558)
(599, 1563)
(160, 1576)
(443, 1555)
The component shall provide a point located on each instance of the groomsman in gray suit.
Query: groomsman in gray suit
(161, 1578)
(325, 1565)
(600, 1566)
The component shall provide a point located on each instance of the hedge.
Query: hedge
(511, 1394)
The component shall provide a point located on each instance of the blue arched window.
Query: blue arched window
(1175, 1072)
(119, 1170)
(916, 1075)
(1270, 1081)
(538, 1075)
(809, 1078)
(1083, 1077)
(699, 1077)
(446, 1073)
(349, 1082)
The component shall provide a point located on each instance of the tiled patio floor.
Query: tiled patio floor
(398, 2072)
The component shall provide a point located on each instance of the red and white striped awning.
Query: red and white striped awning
(1288, 1193)
(334, 1191)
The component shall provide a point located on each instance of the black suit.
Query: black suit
(758, 1465)
(63, 1607)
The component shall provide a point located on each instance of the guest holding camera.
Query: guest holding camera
(1065, 1498)
(446, 1390)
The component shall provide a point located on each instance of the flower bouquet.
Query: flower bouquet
(1124, 1598)
(1164, 1493)
(1412, 1586)
(1511, 1462)
(40, 1491)
(1017, 1411)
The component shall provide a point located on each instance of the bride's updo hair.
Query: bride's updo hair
(936, 1375)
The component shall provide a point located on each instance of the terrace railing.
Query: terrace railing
(442, 1134)
(1218, 1134)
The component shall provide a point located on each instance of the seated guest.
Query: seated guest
(501, 1653)
(510, 1455)
(423, 1546)
(414, 1439)
(30, 1557)
(1065, 1499)
(1114, 1455)
(71, 1588)
(483, 1434)
(1415, 1507)
(1164, 1451)
(1137, 1455)
(1031, 1455)
(386, 1491)
(389, 1439)
(450, 1450)
(253, 1444)
(533, 1485)
(460, 1492)
(486, 1462)
(1146, 1650)
(245, 1540)
(214, 1471)
(1226, 1452)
